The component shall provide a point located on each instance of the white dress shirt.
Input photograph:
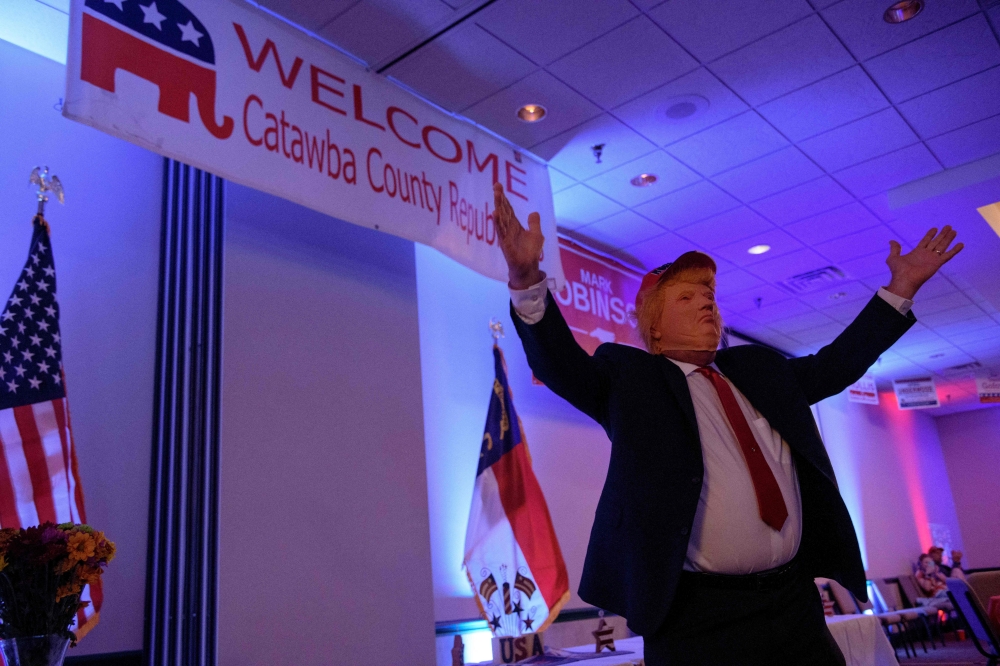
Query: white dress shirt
(728, 535)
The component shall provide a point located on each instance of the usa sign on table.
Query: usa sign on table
(224, 87)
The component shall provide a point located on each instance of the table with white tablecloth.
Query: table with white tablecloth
(860, 638)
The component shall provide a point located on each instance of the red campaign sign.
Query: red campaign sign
(599, 297)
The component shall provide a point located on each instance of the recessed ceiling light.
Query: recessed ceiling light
(683, 108)
(531, 113)
(644, 180)
(903, 11)
(759, 249)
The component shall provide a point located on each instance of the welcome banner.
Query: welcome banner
(226, 88)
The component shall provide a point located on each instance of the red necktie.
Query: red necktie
(770, 503)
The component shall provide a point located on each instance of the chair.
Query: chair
(920, 620)
(970, 612)
(985, 584)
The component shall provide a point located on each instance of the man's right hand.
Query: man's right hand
(522, 248)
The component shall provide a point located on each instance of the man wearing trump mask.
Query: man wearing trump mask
(720, 504)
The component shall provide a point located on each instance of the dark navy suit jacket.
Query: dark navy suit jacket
(639, 540)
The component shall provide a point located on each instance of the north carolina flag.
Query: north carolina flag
(512, 556)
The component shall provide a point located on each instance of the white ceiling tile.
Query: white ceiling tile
(573, 150)
(559, 180)
(978, 323)
(658, 251)
(803, 200)
(832, 224)
(869, 137)
(728, 144)
(728, 26)
(833, 101)
(969, 143)
(726, 228)
(788, 265)
(888, 171)
(828, 300)
(765, 176)
(462, 67)
(778, 240)
(796, 56)
(952, 316)
(941, 303)
(375, 30)
(566, 109)
(648, 114)
(938, 59)
(860, 25)
(871, 268)
(528, 26)
(621, 229)
(623, 64)
(845, 313)
(745, 294)
(310, 15)
(909, 230)
(802, 322)
(977, 336)
(862, 243)
(670, 175)
(955, 105)
(688, 205)
(729, 287)
(823, 334)
(580, 205)
(772, 310)
(879, 204)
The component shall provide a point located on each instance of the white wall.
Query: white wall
(892, 475)
(971, 445)
(325, 553)
(106, 245)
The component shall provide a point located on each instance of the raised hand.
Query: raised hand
(911, 270)
(522, 248)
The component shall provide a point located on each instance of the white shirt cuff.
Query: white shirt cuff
(902, 305)
(529, 304)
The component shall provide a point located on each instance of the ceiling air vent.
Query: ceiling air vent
(986, 4)
(814, 280)
(964, 369)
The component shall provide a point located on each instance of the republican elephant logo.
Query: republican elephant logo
(162, 42)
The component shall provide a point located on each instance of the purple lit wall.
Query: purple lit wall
(893, 478)
(971, 445)
(324, 540)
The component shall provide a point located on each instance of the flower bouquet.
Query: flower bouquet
(43, 570)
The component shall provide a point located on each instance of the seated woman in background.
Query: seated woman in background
(955, 570)
(932, 583)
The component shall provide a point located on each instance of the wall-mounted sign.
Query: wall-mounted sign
(916, 393)
(226, 88)
(598, 298)
(863, 391)
(988, 389)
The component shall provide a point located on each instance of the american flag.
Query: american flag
(39, 480)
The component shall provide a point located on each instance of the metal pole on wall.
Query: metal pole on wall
(183, 544)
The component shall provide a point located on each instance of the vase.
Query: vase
(34, 650)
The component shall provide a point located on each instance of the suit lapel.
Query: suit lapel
(679, 387)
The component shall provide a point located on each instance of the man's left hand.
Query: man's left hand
(911, 270)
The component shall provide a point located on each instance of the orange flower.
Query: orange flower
(81, 546)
